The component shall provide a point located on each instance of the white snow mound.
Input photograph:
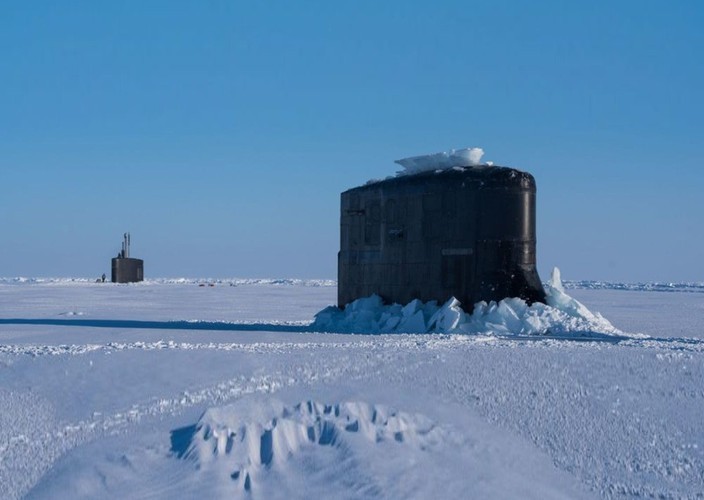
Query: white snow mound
(253, 437)
(465, 157)
(561, 316)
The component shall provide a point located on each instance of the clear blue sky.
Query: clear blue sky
(220, 133)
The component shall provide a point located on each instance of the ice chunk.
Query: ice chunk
(448, 317)
(465, 157)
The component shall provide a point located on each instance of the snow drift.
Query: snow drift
(248, 439)
(561, 316)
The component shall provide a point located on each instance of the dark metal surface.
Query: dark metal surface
(127, 270)
(464, 232)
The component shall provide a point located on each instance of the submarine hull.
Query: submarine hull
(467, 233)
(127, 270)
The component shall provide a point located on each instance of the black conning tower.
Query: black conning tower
(125, 269)
(466, 232)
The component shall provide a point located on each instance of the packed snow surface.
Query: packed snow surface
(172, 389)
(466, 157)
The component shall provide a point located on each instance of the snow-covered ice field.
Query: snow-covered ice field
(171, 389)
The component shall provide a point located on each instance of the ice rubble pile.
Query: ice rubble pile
(561, 316)
(466, 157)
(253, 435)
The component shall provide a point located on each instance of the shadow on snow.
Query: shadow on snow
(678, 343)
(160, 325)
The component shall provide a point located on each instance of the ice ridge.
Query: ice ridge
(562, 315)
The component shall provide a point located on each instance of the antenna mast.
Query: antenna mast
(126, 246)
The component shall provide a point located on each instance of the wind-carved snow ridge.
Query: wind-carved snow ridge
(249, 438)
(655, 286)
(466, 157)
(562, 316)
(172, 281)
